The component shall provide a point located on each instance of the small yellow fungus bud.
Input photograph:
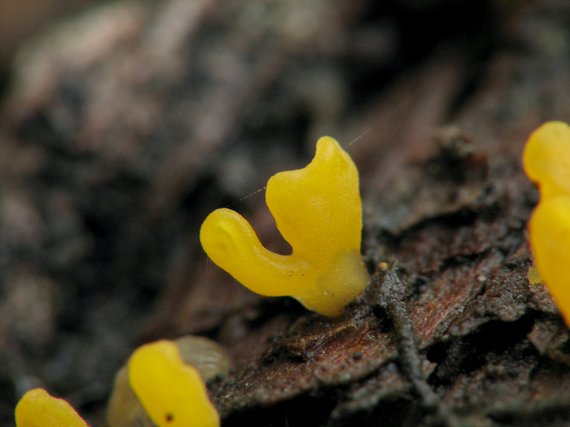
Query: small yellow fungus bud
(37, 408)
(202, 354)
(383, 266)
(318, 211)
(546, 160)
(171, 392)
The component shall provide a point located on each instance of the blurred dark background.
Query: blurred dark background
(21, 20)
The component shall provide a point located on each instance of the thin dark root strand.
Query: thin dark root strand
(389, 295)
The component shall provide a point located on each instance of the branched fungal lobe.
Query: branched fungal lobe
(546, 161)
(318, 211)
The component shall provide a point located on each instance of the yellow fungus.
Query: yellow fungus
(318, 211)
(546, 161)
(204, 355)
(124, 408)
(549, 230)
(37, 408)
(382, 266)
(171, 392)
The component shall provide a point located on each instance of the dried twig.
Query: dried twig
(390, 291)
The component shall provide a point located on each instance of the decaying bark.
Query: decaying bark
(127, 125)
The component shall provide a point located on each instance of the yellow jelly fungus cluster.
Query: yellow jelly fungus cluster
(546, 161)
(171, 392)
(158, 388)
(37, 408)
(318, 211)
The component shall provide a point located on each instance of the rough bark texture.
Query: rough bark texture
(124, 127)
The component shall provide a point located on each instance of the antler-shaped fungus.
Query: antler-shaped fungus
(318, 211)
